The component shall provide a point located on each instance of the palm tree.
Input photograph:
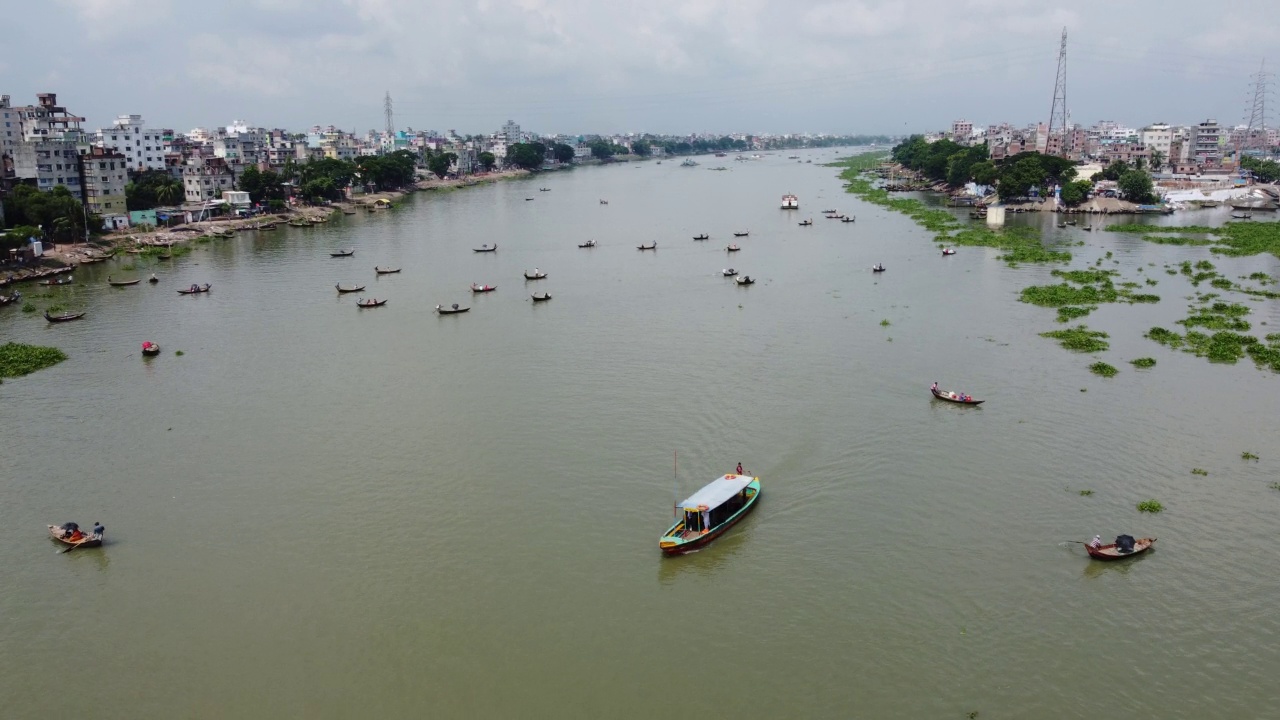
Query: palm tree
(169, 193)
(1157, 160)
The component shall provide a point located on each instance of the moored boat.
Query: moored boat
(708, 513)
(51, 283)
(348, 288)
(122, 283)
(954, 397)
(8, 299)
(1125, 546)
(385, 270)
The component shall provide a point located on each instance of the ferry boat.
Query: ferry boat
(790, 202)
(711, 511)
(688, 163)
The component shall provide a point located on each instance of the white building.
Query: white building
(961, 131)
(1157, 137)
(10, 135)
(512, 132)
(143, 149)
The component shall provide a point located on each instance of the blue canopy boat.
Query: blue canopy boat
(711, 511)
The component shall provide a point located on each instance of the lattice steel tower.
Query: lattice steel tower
(1255, 134)
(1058, 110)
(386, 104)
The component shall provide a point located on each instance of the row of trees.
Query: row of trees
(1267, 171)
(946, 161)
(56, 215)
(152, 189)
(531, 155)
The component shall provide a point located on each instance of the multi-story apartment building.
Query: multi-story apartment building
(206, 178)
(46, 148)
(511, 131)
(1125, 152)
(961, 131)
(10, 136)
(105, 177)
(1158, 138)
(143, 149)
(1206, 141)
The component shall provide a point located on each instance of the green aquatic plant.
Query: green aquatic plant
(1067, 313)
(1199, 471)
(1274, 486)
(1261, 277)
(1246, 455)
(1066, 294)
(179, 353)
(1177, 240)
(1142, 228)
(884, 322)
(28, 307)
(1086, 493)
(18, 359)
(1143, 362)
(1248, 238)
(1221, 283)
(1141, 298)
(1150, 506)
(1103, 369)
(1152, 281)
(1079, 339)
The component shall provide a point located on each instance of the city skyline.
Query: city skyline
(666, 68)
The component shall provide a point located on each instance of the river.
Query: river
(329, 512)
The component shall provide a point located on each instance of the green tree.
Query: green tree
(1076, 192)
(528, 156)
(641, 148)
(562, 153)
(1157, 161)
(985, 173)
(170, 193)
(1136, 186)
(440, 163)
(1113, 171)
(151, 188)
(1266, 171)
(1017, 179)
(487, 160)
(603, 149)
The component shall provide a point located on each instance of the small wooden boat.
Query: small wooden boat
(483, 288)
(528, 199)
(848, 218)
(806, 223)
(604, 202)
(8, 299)
(51, 283)
(729, 272)
(1087, 228)
(745, 280)
(65, 532)
(348, 288)
(385, 270)
(1116, 550)
(62, 317)
(122, 283)
(835, 217)
(877, 268)
(451, 310)
(343, 253)
(642, 246)
(1241, 215)
(348, 212)
(1062, 225)
(954, 397)
(732, 248)
(1071, 222)
(165, 256)
(537, 275)
(741, 234)
(544, 189)
(267, 226)
(703, 236)
(150, 349)
(195, 289)
(485, 248)
(711, 511)
(153, 279)
(588, 244)
(370, 303)
(947, 251)
(541, 297)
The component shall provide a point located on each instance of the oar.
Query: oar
(73, 547)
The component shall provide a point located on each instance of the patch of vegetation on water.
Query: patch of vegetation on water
(1168, 338)
(1248, 238)
(884, 322)
(18, 359)
(1150, 506)
(179, 353)
(1221, 283)
(1141, 298)
(1200, 471)
(1177, 240)
(1103, 369)
(1171, 271)
(1067, 313)
(1142, 229)
(1143, 362)
(1130, 284)
(1086, 493)
(1065, 294)
(28, 307)
(1219, 316)
(1246, 455)
(1080, 339)
(1261, 277)
(1152, 281)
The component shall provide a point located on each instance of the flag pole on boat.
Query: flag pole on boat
(675, 482)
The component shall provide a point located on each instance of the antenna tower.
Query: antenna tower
(1255, 134)
(1058, 110)
(386, 105)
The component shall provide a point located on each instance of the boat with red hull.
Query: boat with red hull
(1116, 551)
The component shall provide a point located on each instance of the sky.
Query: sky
(659, 66)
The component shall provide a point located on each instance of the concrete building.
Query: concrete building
(45, 150)
(961, 131)
(105, 177)
(1158, 138)
(511, 131)
(1206, 143)
(206, 178)
(142, 148)
(10, 136)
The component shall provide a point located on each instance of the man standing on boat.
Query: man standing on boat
(739, 468)
(98, 529)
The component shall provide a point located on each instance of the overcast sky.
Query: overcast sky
(665, 66)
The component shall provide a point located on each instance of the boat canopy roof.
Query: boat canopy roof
(716, 492)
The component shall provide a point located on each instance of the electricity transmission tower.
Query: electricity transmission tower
(1255, 134)
(386, 105)
(1058, 110)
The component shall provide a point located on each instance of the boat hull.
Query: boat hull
(682, 545)
(943, 396)
(55, 533)
(1108, 553)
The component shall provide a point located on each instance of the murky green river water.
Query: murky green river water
(325, 512)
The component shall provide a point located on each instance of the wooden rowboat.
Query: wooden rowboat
(745, 280)
(588, 244)
(805, 223)
(1113, 552)
(642, 246)
(385, 270)
(953, 397)
(150, 349)
(483, 288)
(51, 283)
(732, 248)
(348, 288)
(195, 289)
(741, 234)
(710, 512)
(62, 317)
(847, 219)
(454, 310)
(485, 248)
(343, 253)
(730, 272)
(703, 236)
(535, 276)
(877, 268)
(371, 303)
(121, 283)
(948, 251)
(541, 297)
(58, 533)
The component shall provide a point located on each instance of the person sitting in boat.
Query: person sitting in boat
(76, 535)
(1096, 542)
(739, 468)
(98, 529)
(934, 387)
